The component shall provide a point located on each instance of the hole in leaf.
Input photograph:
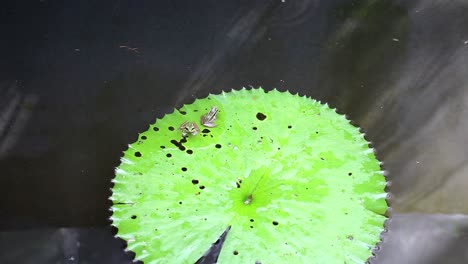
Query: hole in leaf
(180, 202)
(261, 116)
(289, 126)
(137, 154)
(206, 131)
(350, 173)
(201, 187)
(238, 183)
(275, 223)
(143, 137)
(218, 146)
(168, 155)
(183, 169)
(163, 147)
(235, 252)
(171, 128)
(133, 217)
(155, 128)
(254, 128)
(195, 181)
(178, 144)
(251, 220)
(189, 151)
(183, 112)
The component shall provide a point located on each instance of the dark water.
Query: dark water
(79, 80)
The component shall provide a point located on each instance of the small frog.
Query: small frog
(209, 119)
(189, 127)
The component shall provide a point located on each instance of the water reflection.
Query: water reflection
(411, 97)
(396, 69)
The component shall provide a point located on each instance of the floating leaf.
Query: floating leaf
(296, 182)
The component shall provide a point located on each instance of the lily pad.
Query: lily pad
(295, 181)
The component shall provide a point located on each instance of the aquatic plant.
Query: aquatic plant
(287, 178)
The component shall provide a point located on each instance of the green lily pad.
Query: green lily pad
(296, 182)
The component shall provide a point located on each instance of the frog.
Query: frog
(209, 119)
(189, 128)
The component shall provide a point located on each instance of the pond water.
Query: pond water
(79, 80)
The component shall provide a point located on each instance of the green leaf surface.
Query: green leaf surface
(296, 182)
